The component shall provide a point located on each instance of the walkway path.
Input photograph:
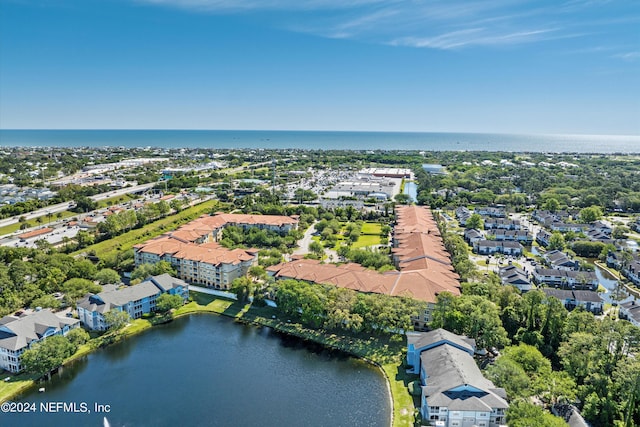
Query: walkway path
(210, 291)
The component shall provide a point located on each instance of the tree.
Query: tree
(556, 241)
(84, 269)
(402, 198)
(107, 276)
(46, 301)
(508, 374)
(551, 204)
(590, 214)
(316, 248)
(78, 336)
(619, 232)
(76, 288)
(475, 221)
(116, 319)
(84, 204)
(243, 287)
(525, 414)
(45, 356)
(145, 270)
(166, 302)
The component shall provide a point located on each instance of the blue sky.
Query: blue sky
(508, 66)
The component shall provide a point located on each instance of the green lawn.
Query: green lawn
(367, 240)
(127, 240)
(115, 200)
(15, 385)
(8, 229)
(371, 228)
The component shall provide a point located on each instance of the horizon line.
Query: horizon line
(321, 131)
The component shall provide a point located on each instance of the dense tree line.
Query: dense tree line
(550, 353)
(29, 277)
(599, 182)
(330, 307)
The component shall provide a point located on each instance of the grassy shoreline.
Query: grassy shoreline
(379, 352)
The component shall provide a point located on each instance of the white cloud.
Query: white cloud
(628, 56)
(435, 24)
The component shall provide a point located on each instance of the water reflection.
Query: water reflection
(211, 371)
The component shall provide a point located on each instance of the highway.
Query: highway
(61, 207)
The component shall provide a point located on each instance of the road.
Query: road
(303, 244)
(61, 207)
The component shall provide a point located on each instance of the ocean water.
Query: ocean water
(325, 140)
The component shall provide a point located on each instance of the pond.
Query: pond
(207, 370)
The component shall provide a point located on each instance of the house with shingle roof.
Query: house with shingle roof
(136, 300)
(454, 392)
(630, 311)
(589, 300)
(18, 334)
(514, 276)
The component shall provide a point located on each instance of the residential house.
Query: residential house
(19, 333)
(566, 227)
(602, 227)
(597, 235)
(471, 236)
(501, 223)
(490, 247)
(542, 237)
(454, 392)
(632, 271)
(462, 215)
(521, 236)
(490, 211)
(630, 311)
(135, 300)
(197, 257)
(589, 300)
(546, 218)
(566, 279)
(560, 261)
(514, 276)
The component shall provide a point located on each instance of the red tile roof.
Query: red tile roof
(35, 233)
(425, 267)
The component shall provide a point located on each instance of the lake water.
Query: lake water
(427, 141)
(206, 370)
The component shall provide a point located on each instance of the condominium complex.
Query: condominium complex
(197, 257)
(424, 267)
(135, 300)
(19, 333)
(454, 391)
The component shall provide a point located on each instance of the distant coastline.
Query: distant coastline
(324, 140)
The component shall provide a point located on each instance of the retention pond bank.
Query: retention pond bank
(210, 371)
